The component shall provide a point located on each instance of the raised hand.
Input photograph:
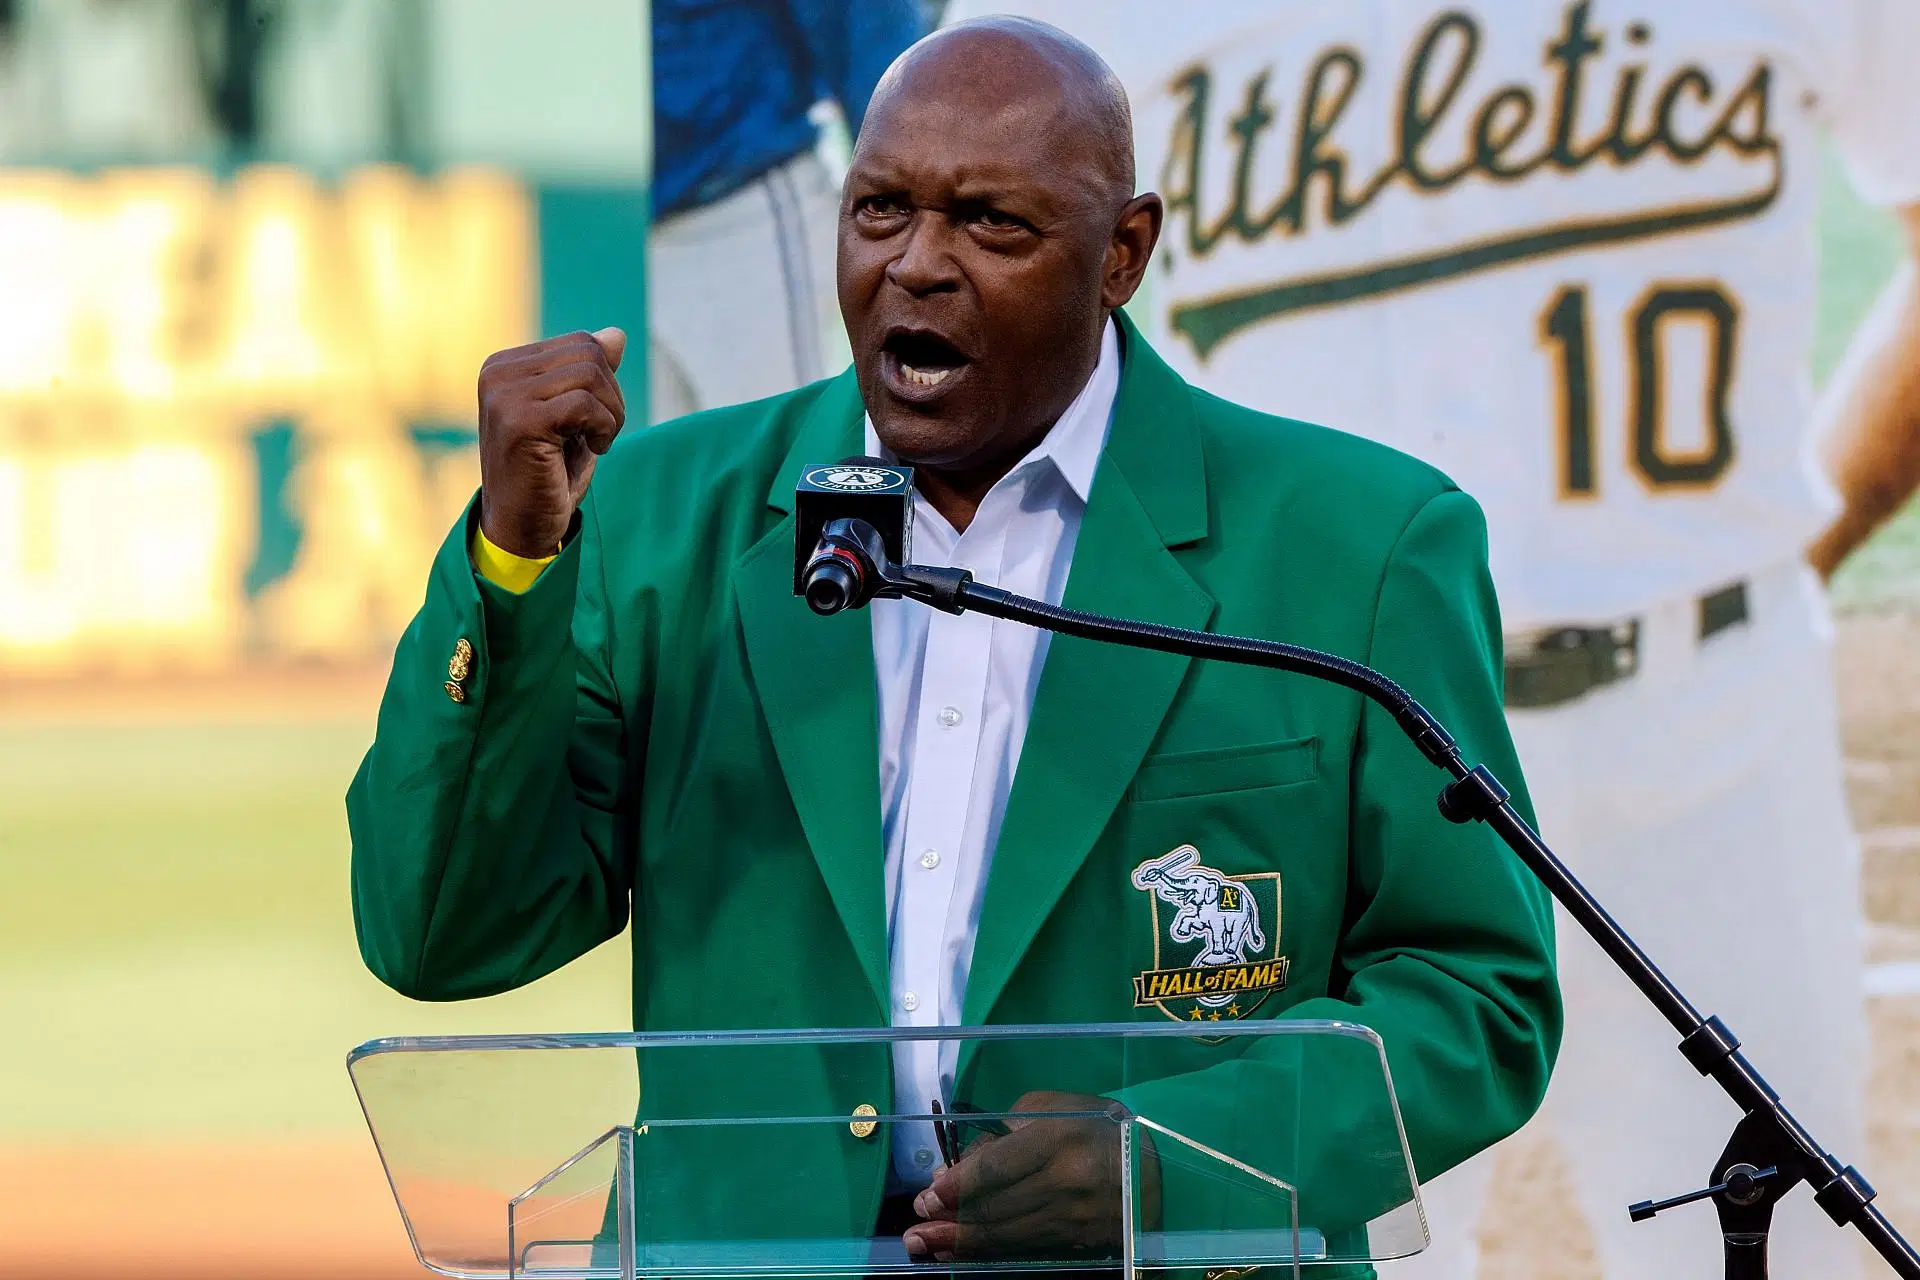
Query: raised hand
(547, 412)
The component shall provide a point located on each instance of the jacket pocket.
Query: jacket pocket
(1219, 770)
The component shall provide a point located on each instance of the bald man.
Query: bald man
(612, 708)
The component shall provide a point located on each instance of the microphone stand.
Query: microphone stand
(1769, 1151)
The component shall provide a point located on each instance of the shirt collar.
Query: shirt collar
(1075, 441)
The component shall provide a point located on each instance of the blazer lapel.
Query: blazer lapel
(1099, 707)
(815, 679)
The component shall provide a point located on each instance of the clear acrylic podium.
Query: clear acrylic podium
(767, 1153)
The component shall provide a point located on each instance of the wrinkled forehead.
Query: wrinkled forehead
(968, 141)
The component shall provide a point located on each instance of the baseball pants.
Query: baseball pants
(1701, 800)
(740, 293)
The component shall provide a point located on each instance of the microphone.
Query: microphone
(851, 518)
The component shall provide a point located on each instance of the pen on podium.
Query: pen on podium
(942, 1133)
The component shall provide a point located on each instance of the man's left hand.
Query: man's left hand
(1050, 1187)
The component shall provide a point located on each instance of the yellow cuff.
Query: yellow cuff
(503, 568)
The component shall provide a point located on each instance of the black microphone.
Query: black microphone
(850, 518)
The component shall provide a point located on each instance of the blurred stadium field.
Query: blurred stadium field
(178, 978)
(179, 985)
(179, 900)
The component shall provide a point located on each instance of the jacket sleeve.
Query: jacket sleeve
(491, 817)
(1447, 952)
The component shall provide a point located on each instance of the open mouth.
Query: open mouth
(919, 362)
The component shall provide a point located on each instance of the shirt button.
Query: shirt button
(949, 717)
(910, 1002)
(923, 1158)
(930, 859)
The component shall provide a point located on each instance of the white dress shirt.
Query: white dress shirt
(955, 696)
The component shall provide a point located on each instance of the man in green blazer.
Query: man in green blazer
(611, 708)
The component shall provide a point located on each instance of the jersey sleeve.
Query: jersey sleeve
(1873, 102)
(962, 10)
(852, 45)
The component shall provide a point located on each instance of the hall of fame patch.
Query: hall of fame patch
(1216, 939)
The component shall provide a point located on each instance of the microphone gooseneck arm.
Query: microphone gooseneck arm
(1770, 1150)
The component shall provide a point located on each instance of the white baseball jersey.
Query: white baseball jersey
(1563, 251)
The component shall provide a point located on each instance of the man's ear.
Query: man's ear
(1135, 232)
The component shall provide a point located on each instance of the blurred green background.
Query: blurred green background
(178, 938)
(179, 984)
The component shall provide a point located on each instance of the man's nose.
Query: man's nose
(925, 265)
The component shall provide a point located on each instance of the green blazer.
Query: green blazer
(659, 732)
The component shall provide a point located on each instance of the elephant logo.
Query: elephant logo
(1233, 967)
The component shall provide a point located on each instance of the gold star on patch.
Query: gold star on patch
(1196, 1015)
(1233, 1010)
(1214, 1016)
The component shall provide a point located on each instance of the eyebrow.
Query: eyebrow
(996, 189)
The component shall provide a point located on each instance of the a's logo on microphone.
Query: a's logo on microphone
(846, 479)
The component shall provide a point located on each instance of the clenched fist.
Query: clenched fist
(547, 411)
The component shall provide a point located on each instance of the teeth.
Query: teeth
(924, 377)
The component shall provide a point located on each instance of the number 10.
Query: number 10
(1564, 325)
